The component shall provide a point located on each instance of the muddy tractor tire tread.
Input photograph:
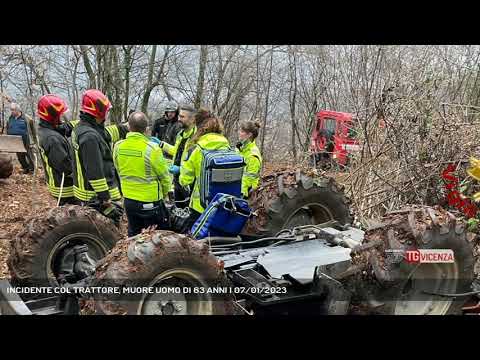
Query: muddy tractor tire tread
(136, 262)
(6, 166)
(31, 248)
(292, 191)
(422, 227)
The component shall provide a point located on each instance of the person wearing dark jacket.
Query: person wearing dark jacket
(55, 149)
(94, 176)
(167, 127)
(17, 125)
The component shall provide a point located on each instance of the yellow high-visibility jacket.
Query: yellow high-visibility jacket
(142, 169)
(172, 150)
(253, 160)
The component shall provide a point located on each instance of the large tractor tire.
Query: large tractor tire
(157, 261)
(36, 251)
(289, 199)
(406, 288)
(6, 166)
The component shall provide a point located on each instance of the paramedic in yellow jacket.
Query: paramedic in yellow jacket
(209, 136)
(248, 149)
(144, 177)
(188, 117)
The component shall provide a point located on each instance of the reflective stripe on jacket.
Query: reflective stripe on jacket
(142, 169)
(253, 160)
(94, 174)
(57, 160)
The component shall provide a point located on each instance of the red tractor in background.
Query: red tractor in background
(333, 139)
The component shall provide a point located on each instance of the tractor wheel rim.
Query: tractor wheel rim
(320, 214)
(435, 278)
(96, 251)
(170, 296)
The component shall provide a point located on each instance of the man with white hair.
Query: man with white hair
(17, 125)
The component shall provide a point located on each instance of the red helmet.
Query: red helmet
(95, 103)
(50, 108)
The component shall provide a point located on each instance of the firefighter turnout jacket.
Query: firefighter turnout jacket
(93, 169)
(142, 169)
(57, 160)
(253, 160)
(191, 167)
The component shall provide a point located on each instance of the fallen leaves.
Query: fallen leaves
(21, 196)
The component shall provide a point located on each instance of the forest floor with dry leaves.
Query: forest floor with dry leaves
(21, 196)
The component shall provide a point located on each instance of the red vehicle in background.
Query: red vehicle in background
(333, 139)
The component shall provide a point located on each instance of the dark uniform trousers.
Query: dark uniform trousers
(69, 201)
(181, 195)
(26, 159)
(141, 215)
(183, 225)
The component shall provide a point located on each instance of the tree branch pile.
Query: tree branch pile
(407, 143)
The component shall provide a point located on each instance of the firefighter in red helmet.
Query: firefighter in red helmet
(54, 148)
(95, 182)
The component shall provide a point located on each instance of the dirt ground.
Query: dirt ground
(21, 196)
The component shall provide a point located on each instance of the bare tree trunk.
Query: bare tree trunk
(128, 61)
(159, 77)
(167, 91)
(75, 91)
(116, 86)
(100, 72)
(257, 90)
(201, 76)
(148, 86)
(88, 67)
(293, 97)
(267, 99)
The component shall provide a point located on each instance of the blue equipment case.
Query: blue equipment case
(226, 215)
(222, 172)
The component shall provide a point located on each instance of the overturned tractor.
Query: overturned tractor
(9, 145)
(290, 198)
(6, 166)
(315, 269)
(299, 253)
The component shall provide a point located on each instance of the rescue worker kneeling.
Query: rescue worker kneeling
(144, 177)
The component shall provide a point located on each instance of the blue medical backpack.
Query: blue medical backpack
(221, 172)
(226, 215)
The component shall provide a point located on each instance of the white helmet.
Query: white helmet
(171, 106)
